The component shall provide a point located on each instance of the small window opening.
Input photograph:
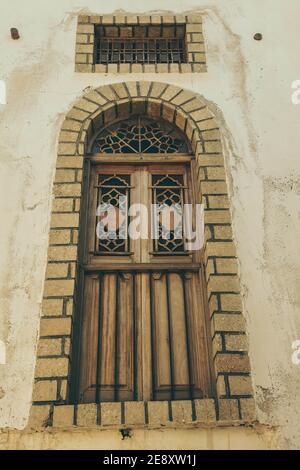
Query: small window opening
(136, 44)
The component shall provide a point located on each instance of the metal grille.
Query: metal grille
(141, 47)
(112, 221)
(140, 135)
(168, 197)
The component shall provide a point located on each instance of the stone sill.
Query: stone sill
(150, 415)
(258, 437)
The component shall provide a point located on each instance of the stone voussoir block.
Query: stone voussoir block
(67, 149)
(120, 90)
(67, 136)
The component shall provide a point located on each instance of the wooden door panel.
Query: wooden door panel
(160, 332)
(143, 333)
(108, 346)
(179, 351)
(178, 335)
(107, 338)
(198, 332)
(146, 336)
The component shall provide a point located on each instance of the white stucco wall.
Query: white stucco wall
(249, 85)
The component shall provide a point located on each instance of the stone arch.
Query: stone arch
(185, 109)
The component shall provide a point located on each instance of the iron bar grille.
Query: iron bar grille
(110, 188)
(144, 45)
(168, 192)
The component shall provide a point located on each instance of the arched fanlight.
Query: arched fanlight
(140, 134)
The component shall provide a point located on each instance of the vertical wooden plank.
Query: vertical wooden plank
(200, 354)
(107, 378)
(100, 328)
(179, 346)
(146, 338)
(140, 337)
(126, 338)
(89, 340)
(161, 338)
(188, 334)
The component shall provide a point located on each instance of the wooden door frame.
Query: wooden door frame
(83, 266)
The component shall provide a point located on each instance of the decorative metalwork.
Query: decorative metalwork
(167, 195)
(140, 44)
(140, 135)
(112, 220)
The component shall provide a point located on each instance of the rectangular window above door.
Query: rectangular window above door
(137, 212)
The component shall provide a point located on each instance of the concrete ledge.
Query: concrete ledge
(221, 438)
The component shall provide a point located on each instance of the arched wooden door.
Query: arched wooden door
(141, 330)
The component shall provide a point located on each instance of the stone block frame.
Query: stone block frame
(234, 401)
(195, 47)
